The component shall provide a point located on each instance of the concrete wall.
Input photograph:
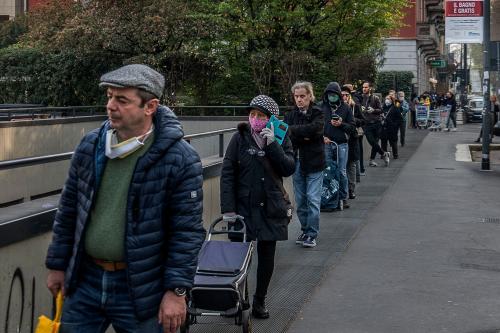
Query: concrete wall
(8, 7)
(400, 55)
(23, 293)
(51, 138)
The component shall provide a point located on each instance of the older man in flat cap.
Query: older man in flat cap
(128, 229)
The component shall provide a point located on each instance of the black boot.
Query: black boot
(259, 308)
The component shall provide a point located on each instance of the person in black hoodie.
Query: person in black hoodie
(339, 124)
(252, 187)
(306, 123)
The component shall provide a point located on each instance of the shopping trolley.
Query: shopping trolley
(220, 285)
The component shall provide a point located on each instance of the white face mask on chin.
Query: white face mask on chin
(115, 149)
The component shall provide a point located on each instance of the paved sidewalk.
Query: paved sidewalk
(298, 270)
(428, 256)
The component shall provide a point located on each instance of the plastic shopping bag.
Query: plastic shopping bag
(47, 325)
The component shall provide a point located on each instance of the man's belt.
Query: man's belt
(108, 265)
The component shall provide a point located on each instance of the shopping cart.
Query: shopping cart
(435, 120)
(422, 115)
(220, 284)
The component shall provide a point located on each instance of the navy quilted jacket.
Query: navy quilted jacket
(164, 214)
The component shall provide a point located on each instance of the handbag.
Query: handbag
(47, 325)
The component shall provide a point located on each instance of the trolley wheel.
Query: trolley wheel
(246, 321)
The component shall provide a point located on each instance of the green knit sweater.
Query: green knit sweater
(105, 234)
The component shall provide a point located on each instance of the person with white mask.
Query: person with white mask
(129, 226)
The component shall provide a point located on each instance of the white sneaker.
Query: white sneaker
(372, 163)
(454, 129)
(386, 159)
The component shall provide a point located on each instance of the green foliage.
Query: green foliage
(66, 78)
(210, 51)
(10, 31)
(399, 81)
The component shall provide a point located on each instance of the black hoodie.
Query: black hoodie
(337, 134)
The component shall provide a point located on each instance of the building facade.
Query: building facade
(417, 44)
(11, 8)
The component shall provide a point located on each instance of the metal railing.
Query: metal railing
(45, 112)
(28, 161)
(80, 111)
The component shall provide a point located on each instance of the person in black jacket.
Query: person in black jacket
(392, 121)
(451, 103)
(353, 155)
(339, 126)
(372, 112)
(306, 132)
(128, 228)
(252, 187)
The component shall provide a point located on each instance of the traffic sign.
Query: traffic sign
(439, 63)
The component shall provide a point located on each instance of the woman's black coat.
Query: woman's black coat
(393, 119)
(359, 121)
(248, 189)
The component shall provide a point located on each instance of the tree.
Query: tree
(217, 51)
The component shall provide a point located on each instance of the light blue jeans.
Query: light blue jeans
(307, 189)
(331, 156)
(101, 299)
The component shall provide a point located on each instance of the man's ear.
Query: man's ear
(151, 106)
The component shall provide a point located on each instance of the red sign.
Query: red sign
(464, 8)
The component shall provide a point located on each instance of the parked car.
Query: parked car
(473, 111)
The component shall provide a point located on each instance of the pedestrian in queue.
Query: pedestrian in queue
(372, 112)
(129, 227)
(306, 123)
(392, 123)
(405, 108)
(353, 142)
(252, 187)
(413, 109)
(451, 103)
(339, 125)
(359, 120)
(494, 113)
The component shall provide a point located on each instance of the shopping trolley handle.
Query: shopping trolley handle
(229, 229)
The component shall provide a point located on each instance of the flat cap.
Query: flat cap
(135, 76)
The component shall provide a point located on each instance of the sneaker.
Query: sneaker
(454, 129)
(309, 242)
(372, 163)
(362, 173)
(386, 159)
(477, 140)
(345, 204)
(352, 196)
(300, 239)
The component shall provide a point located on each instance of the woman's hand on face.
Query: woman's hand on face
(268, 134)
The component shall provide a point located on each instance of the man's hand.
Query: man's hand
(55, 282)
(326, 140)
(172, 312)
